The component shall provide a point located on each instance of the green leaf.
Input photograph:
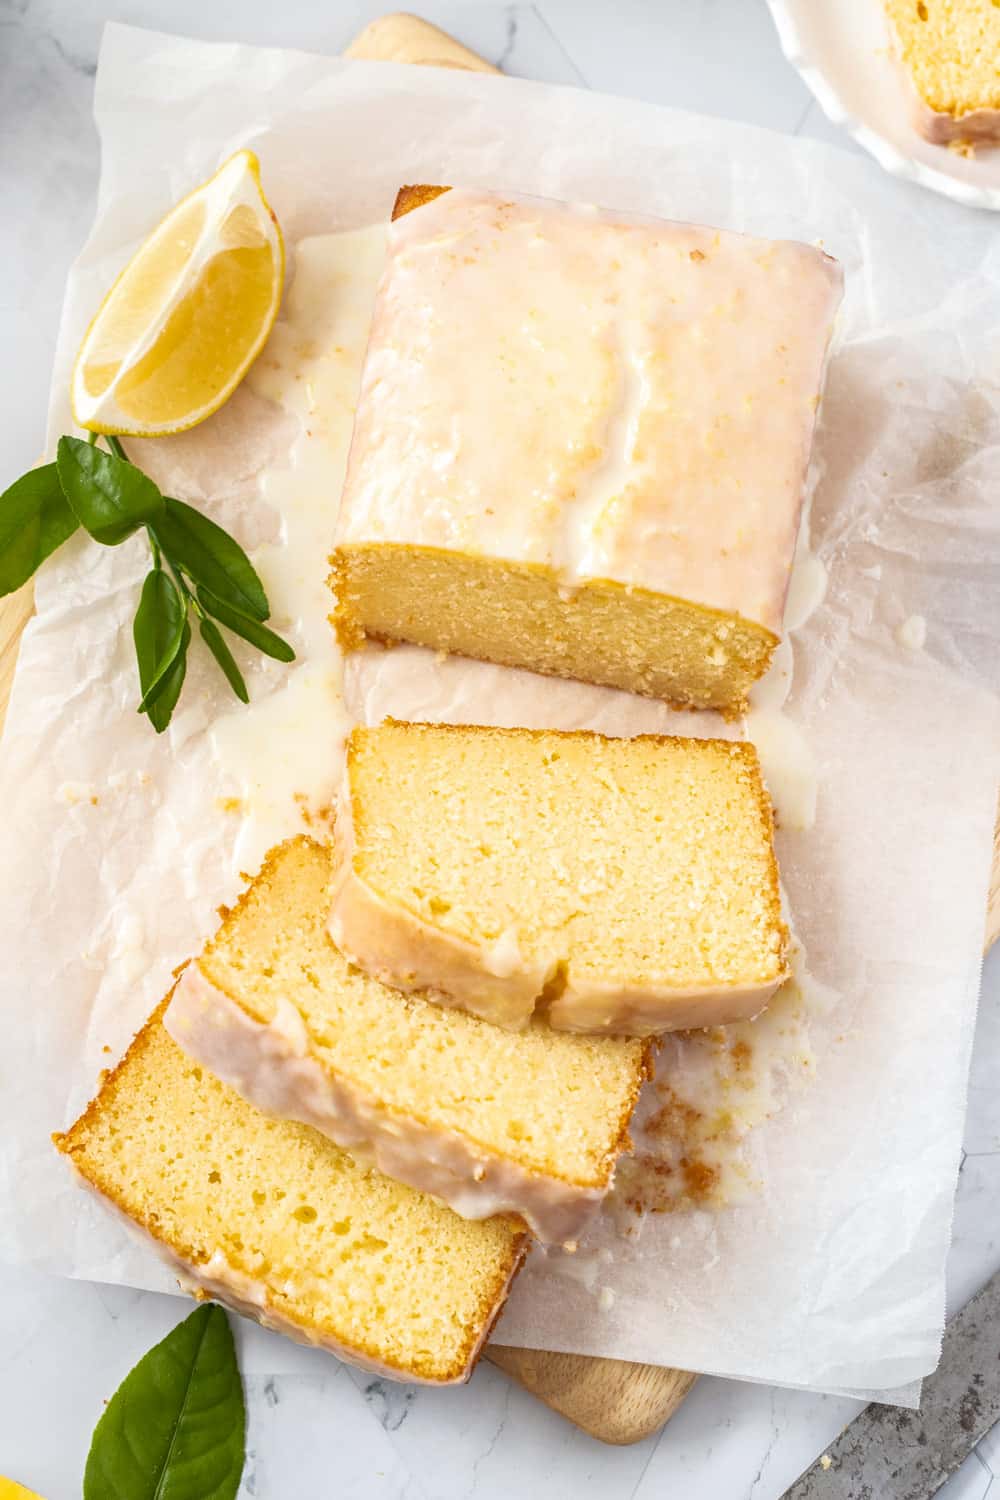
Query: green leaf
(109, 497)
(175, 1428)
(250, 630)
(213, 638)
(245, 627)
(34, 521)
(212, 558)
(157, 631)
(164, 702)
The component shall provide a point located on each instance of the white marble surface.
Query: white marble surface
(318, 1429)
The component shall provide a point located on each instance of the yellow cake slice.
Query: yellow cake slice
(622, 885)
(950, 52)
(489, 1120)
(282, 1225)
(581, 443)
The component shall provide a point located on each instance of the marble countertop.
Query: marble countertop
(318, 1428)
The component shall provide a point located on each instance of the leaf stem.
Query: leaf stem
(154, 547)
(179, 578)
(117, 448)
(92, 438)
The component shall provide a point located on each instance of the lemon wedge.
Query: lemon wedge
(11, 1491)
(189, 314)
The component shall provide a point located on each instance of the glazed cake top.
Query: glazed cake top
(606, 395)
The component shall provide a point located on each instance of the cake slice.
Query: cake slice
(950, 53)
(491, 1121)
(619, 885)
(282, 1225)
(581, 443)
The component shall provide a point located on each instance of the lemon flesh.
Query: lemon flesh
(188, 315)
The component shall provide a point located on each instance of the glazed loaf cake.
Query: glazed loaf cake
(282, 1225)
(950, 53)
(488, 1120)
(618, 885)
(582, 441)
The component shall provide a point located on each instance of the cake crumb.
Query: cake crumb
(826, 1462)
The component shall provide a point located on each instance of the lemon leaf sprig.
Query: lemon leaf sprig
(197, 567)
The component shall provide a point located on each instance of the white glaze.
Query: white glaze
(806, 589)
(787, 760)
(576, 546)
(283, 760)
(273, 1066)
(658, 384)
(651, 1009)
(504, 957)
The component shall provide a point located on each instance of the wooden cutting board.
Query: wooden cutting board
(612, 1399)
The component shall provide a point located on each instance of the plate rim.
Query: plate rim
(888, 155)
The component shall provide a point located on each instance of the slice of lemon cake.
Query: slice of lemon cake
(950, 52)
(581, 442)
(621, 885)
(489, 1120)
(273, 1219)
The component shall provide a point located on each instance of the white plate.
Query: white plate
(842, 50)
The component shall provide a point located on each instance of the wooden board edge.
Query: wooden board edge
(406, 38)
(610, 1399)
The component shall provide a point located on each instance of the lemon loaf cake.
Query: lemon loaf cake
(277, 1221)
(491, 1121)
(619, 885)
(950, 53)
(581, 443)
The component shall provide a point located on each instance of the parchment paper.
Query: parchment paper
(830, 1272)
